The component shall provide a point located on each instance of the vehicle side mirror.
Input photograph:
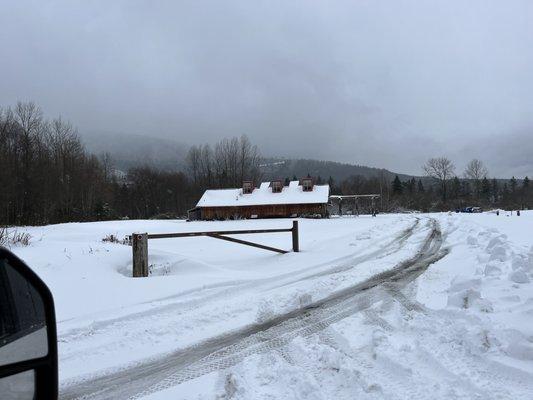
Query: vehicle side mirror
(28, 337)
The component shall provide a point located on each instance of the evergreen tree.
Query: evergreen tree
(455, 189)
(505, 193)
(494, 190)
(333, 189)
(525, 193)
(411, 185)
(513, 184)
(505, 190)
(485, 188)
(397, 187)
(465, 189)
(420, 186)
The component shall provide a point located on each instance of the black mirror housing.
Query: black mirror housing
(45, 367)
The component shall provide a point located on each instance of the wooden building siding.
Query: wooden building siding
(260, 211)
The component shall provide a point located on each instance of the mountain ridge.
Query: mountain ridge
(133, 150)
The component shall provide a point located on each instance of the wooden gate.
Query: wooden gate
(139, 243)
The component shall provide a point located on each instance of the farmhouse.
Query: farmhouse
(270, 199)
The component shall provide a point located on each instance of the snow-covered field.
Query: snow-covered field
(430, 306)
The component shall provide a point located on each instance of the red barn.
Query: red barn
(270, 199)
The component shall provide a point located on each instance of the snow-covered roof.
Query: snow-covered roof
(292, 194)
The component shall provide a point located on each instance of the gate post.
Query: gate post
(139, 245)
(295, 241)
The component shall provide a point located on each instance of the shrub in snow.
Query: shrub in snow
(13, 238)
(110, 239)
(114, 239)
(518, 276)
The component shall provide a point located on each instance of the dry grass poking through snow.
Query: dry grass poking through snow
(13, 238)
(3, 236)
(114, 239)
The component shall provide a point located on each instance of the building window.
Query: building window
(307, 185)
(277, 186)
(247, 187)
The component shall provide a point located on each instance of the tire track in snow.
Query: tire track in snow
(227, 350)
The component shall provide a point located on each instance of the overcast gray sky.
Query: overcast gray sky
(380, 83)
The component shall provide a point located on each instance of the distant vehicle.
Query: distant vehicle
(469, 210)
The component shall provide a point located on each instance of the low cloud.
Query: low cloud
(380, 83)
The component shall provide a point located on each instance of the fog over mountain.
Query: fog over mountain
(385, 84)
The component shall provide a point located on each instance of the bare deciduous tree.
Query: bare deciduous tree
(476, 171)
(233, 161)
(45, 172)
(193, 161)
(441, 169)
(29, 117)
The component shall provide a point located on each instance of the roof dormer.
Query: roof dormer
(277, 186)
(247, 187)
(307, 184)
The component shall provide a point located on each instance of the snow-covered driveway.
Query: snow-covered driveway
(356, 314)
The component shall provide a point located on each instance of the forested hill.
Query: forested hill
(129, 151)
(273, 168)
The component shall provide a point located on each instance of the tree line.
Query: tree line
(475, 187)
(442, 189)
(47, 176)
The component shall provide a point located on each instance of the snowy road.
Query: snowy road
(227, 350)
(399, 307)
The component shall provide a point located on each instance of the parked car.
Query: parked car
(469, 210)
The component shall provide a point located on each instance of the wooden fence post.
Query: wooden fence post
(139, 244)
(295, 241)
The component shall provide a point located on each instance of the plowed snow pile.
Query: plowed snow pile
(436, 306)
